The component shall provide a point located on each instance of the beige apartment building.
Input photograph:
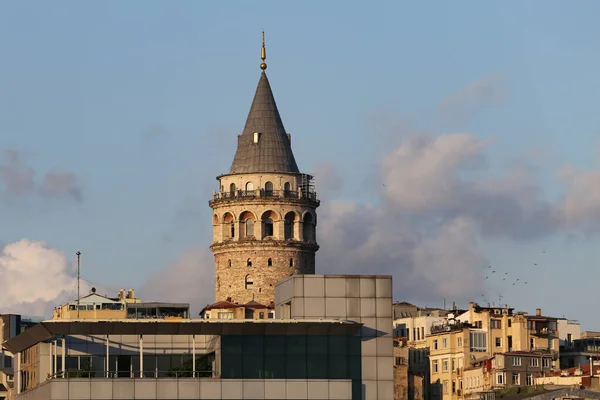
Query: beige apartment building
(476, 336)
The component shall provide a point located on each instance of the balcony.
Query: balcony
(542, 331)
(262, 194)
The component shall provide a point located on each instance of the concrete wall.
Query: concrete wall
(188, 388)
(361, 298)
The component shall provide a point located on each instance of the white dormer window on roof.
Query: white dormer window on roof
(256, 136)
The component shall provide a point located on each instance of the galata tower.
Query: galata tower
(264, 213)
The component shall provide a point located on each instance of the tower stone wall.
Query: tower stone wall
(261, 237)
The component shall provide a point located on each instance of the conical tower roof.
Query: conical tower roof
(264, 145)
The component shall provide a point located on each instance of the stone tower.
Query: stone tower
(264, 214)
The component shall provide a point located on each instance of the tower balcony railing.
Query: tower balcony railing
(264, 194)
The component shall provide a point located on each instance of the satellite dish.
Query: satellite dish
(93, 290)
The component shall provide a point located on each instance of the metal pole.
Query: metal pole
(78, 279)
(141, 356)
(107, 359)
(64, 356)
(194, 356)
(55, 345)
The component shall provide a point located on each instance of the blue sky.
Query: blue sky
(142, 101)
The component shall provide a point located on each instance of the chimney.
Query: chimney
(538, 312)
(121, 294)
(131, 294)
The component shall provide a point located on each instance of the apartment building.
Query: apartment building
(581, 351)
(510, 369)
(477, 336)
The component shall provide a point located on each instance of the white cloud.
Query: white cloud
(35, 278)
(462, 106)
(19, 179)
(189, 279)
(580, 206)
(422, 173)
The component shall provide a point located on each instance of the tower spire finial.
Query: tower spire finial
(263, 53)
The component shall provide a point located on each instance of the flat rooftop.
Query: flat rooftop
(45, 330)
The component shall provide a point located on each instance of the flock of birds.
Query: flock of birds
(506, 281)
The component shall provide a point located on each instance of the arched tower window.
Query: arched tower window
(249, 227)
(291, 262)
(268, 189)
(249, 262)
(248, 282)
(268, 219)
(249, 187)
(268, 227)
(288, 228)
(229, 263)
(228, 226)
(286, 189)
(247, 224)
(232, 190)
(308, 228)
(269, 262)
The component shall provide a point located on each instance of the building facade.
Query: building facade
(264, 212)
(477, 336)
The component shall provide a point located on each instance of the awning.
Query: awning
(48, 329)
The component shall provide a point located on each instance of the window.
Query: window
(531, 343)
(232, 189)
(495, 324)
(286, 189)
(500, 378)
(225, 315)
(445, 386)
(516, 361)
(435, 366)
(477, 342)
(291, 262)
(453, 366)
(423, 332)
(229, 263)
(545, 363)
(268, 189)
(453, 386)
(445, 365)
(249, 227)
(269, 262)
(445, 343)
(249, 187)
(435, 344)
(498, 342)
(249, 282)
(459, 342)
(268, 227)
(232, 227)
(261, 315)
(529, 380)
(515, 379)
(509, 322)
(534, 362)
(249, 262)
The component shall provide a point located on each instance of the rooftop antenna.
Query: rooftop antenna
(263, 53)
(78, 278)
